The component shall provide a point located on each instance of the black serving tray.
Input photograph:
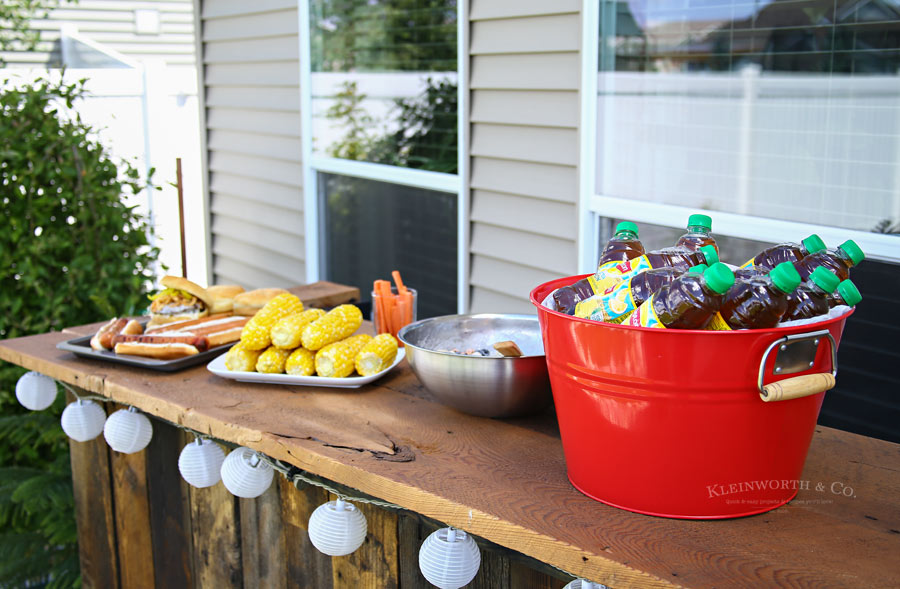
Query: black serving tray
(81, 346)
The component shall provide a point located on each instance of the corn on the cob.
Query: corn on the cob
(336, 360)
(334, 326)
(376, 355)
(286, 333)
(301, 362)
(255, 335)
(272, 361)
(241, 359)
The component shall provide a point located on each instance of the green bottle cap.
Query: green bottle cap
(626, 226)
(697, 219)
(698, 269)
(719, 277)
(825, 279)
(712, 256)
(785, 277)
(813, 244)
(849, 293)
(852, 250)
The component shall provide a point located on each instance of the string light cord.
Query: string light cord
(291, 473)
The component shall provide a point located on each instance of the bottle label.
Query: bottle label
(645, 316)
(600, 286)
(748, 263)
(610, 273)
(612, 306)
(718, 323)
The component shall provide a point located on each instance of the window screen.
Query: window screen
(384, 82)
(371, 228)
(787, 109)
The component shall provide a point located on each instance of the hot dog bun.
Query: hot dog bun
(223, 297)
(161, 351)
(248, 303)
(102, 340)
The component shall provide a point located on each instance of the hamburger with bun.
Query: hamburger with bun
(180, 300)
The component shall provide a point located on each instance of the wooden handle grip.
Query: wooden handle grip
(799, 386)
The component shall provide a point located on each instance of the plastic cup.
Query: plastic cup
(391, 315)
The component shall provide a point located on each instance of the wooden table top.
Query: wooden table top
(505, 480)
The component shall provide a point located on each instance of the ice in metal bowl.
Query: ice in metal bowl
(489, 386)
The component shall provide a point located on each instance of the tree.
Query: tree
(71, 252)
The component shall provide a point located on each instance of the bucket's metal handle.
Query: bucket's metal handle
(798, 386)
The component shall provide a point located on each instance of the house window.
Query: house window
(777, 118)
(380, 99)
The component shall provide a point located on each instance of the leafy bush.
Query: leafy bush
(71, 252)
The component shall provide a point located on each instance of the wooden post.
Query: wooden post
(181, 215)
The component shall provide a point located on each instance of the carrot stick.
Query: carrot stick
(401, 288)
(407, 300)
(382, 305)
(389, 304)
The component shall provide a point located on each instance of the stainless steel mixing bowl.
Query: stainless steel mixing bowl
(489, 386)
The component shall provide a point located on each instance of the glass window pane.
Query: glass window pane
(785, 110)
(371, 228)
(384, 82)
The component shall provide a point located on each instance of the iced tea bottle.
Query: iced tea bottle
(698, 233)
(624, 245)
(690, 302)
(611, 273)
(758, 302)
(810, 299)
(786, 252)
(614, 304)
(839, 260)
(845, 294)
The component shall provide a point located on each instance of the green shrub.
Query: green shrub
(71, 252)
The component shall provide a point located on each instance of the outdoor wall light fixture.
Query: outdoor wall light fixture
(337, 528)
(35, 391)
(200, 463)
(83, 420)
(449, 558)
(245, 474)
(128, 431)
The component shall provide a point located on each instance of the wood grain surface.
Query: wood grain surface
(505, 480)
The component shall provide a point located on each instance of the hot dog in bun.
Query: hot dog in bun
(180, 300)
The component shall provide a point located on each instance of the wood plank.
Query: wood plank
(94, 511)
(546, 145)
(553, 254)
(324, 294)
(526, 107)
(508, 277)
(282, 48)
(258, 74)
(412, 530)
(559, 183)
(487, 300)
(515, 490)
(170, 518)
(526, 71)
(306, 566)
(535, 215)
(523, 576)
(215, 533)
(263, 550)
(132, 511)
(484, 9)
(493, 572)
(375, 565)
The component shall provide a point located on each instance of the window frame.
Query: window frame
(424, 179)
(593, 206)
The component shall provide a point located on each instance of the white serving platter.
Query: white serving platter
(217, 367)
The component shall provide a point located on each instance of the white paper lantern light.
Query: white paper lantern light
(83, 420)
(35, 391)
(245, 474)
(449, 558)
(584, 584)
(337, 528)
(128, 431)
(200, 463)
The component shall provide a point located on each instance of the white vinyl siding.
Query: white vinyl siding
(112, 24)
(252, 98)
(524, 146)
